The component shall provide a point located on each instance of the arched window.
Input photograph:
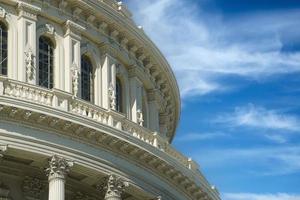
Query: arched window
(3, 51)
(46, 49)
(86, 78)
(119, 95)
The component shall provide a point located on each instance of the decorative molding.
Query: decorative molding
(4, 192)
(112, 97)
(74, 29)
(82, 196)
(28, 10)
(30, 64)
(58, 167)
(3, 13)
(49, 29)
(33, 188)
(75, 78)
(140, 118)
(114, 186)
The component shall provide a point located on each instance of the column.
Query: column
(72, 55)
(114, 188)
(57, 171)
(27, 52)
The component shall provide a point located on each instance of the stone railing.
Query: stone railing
(65, 101)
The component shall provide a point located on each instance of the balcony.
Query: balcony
(54, 99)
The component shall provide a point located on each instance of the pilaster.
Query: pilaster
(136, 97)
(72, 64)
(108, 82)
(27, 50)
(154, 103)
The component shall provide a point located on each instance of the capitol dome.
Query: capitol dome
(88, 106)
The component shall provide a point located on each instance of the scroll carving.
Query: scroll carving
(30, 65)
(112, 97)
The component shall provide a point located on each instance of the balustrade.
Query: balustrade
(65, 101)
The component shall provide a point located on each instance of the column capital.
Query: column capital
(58, 167)
(114, 187)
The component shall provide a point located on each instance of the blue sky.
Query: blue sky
(238, 67)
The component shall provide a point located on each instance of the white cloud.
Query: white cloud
(259, 117)
(203, 47)
(253, 196)
(195, 137)
(267, 161)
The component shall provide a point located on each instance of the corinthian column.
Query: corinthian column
(57, 171)
(114, 188)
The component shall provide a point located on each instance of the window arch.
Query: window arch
(46, 62)
(3, 46)
(86, 78)
(119, 95)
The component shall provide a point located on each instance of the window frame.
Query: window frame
(47, 62)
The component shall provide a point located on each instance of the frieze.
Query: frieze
(33, 188)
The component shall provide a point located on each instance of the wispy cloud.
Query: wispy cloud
(259, 117)
(196, 137)
(253, 196)
(203, 47)
(269, 160)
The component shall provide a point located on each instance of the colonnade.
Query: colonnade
(57, 171)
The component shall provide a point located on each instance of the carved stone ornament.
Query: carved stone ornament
(50, 29)
(81, 196)
(75, 78)
(3, 148)
(58, 167)
(33, 188)
(2, 13)
(4, 192)
(112, 96)
(30, 65)
(114, 187)
(140, 118)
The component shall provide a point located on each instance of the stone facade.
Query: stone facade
(88, 107)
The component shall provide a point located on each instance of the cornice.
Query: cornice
(110, 138)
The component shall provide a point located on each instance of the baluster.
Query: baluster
(49, 99)
(100, 117)
(43, 97)
(105, 118)
(79, 111)
(23, 92)
(30, 94)
(90, 113)
(84, 110)
(96, 116)
(17, 94)
(7, 89)
(36, 95)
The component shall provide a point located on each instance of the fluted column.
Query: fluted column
(114, 188)
(57, 171)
